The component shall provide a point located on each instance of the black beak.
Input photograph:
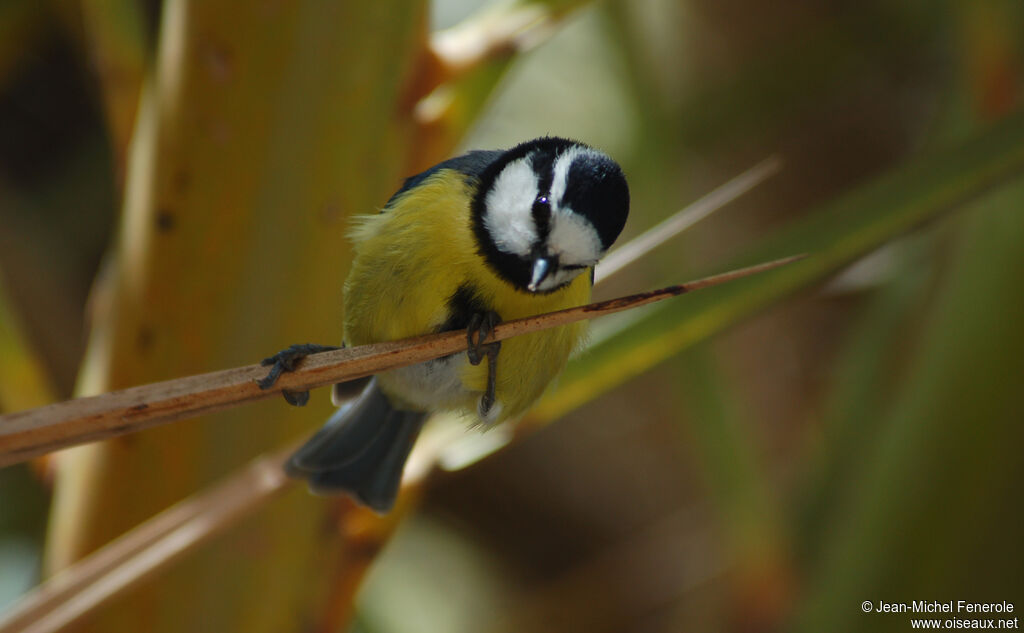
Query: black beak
(541, 268)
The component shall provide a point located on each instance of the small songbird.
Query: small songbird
(484, 237)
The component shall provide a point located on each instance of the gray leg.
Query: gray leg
(481, 326)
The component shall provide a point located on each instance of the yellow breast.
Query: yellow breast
(409, 261)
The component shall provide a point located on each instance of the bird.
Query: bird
(487, 236)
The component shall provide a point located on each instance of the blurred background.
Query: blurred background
(174, 183)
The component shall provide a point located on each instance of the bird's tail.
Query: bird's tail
(361, 450)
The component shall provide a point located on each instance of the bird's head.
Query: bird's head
(547, 210)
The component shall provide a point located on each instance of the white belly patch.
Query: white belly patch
(429, 386)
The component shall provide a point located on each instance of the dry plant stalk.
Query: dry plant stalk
(27, 434)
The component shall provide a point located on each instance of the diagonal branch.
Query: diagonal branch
(30, 433)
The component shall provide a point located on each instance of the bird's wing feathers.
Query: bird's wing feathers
(472, 164)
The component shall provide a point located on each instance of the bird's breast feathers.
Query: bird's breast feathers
(417, 270)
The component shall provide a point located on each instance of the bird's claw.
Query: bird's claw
(481, 326)
(487, 400)
(287, 360)
(295, 398)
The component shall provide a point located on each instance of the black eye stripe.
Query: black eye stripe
(542, 216)
(542, 163)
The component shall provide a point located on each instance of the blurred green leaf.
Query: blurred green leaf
(752, 527)
(946, 456)
(867, 373)
(833, 236)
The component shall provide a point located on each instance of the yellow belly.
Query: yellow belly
(409, 260)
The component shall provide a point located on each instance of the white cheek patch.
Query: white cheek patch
(573, 239)
(508, 217)
(558, 278)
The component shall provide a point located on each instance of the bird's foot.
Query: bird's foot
(480, 328)
(288, 360)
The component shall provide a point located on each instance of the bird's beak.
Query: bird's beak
(541, 268)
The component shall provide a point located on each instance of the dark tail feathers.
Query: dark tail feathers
(361, 450)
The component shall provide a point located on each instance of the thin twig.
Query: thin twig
(30, 433)
(657, 235)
